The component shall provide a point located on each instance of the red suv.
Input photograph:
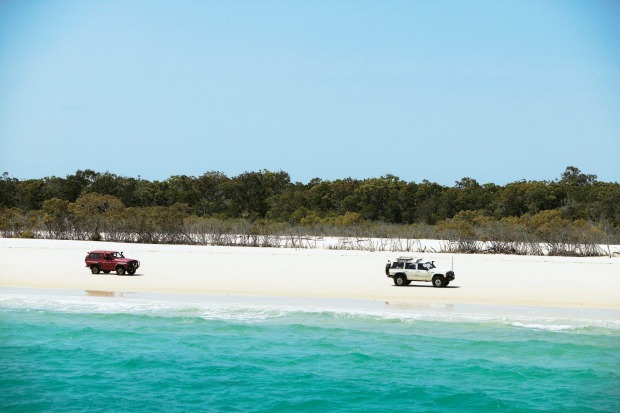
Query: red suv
(107, 261)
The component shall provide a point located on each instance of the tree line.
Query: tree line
(567, 216)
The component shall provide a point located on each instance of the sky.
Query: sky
(497, 91)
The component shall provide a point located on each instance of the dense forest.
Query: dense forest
(568, 216)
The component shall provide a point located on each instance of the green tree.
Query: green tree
(93, 211)
(31, 194)
(379, 199)
(78, 183)
(210, 193)
(428, 196)
(13, 222)
(8, 191)
(577, 188)
(247, 195)
(56, 217)
(282, 207)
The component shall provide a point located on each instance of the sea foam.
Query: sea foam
(256, 309)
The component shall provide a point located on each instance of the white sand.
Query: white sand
(498, 280)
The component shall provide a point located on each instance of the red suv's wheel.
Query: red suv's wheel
(94, 269)
(120, 270)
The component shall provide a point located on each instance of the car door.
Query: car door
(107, 263)
(424, 273)
(410, 270)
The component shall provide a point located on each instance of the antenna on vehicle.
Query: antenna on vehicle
(453, 263)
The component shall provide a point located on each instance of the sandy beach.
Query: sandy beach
(494, 280)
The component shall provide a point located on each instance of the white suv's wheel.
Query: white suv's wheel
(400, 280)
(438, 281)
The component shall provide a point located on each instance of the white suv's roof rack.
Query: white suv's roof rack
(408, 259)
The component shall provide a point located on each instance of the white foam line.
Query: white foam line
(244, 309)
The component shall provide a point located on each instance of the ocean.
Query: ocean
(76, 351)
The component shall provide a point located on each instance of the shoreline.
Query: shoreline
(306, 274)
(105, 302)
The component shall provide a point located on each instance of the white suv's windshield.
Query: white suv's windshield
(430, 265)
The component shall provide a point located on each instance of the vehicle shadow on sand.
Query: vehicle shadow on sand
(424, 286)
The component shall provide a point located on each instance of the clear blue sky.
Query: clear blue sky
(498, 91)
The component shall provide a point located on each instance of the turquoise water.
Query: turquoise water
(139, 353)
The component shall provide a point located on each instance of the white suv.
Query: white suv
(407, 269)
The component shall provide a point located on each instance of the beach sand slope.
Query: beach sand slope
(278, 272)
